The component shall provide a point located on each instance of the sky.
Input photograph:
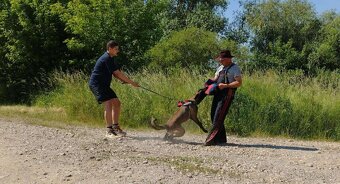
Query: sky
(319, 5)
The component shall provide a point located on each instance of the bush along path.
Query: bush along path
(31, 153)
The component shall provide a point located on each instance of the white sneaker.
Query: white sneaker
(118, 131)
(111, 133)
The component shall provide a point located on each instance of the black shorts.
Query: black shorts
(102, 94)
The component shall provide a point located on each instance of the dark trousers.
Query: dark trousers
(219, 109)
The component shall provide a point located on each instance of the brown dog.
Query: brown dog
(173, 126)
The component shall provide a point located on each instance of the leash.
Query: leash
(169, 98)
(156, 93)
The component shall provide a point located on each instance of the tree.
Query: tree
(3, 39)
(133, 23)
(32, 46)
(40, 36)
(137, 25)
(205, 14)
(326, 52)
(190, 47)
(293, 24)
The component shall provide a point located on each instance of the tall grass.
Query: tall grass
(288, 104)
(268, 103)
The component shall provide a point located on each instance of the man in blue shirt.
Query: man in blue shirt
(99, 84)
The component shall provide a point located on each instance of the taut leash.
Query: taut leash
(157, 93)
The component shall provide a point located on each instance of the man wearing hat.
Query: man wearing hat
(227, 79)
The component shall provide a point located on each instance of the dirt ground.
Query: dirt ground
(37, 154)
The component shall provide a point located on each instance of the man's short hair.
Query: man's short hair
(111, 44)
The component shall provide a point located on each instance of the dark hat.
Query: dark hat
(224, 54)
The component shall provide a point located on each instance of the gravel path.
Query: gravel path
(36, 154)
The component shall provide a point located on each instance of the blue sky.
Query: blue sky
(319, 5)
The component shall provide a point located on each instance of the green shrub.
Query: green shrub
(241, 117)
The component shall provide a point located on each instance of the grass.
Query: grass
(44, 116)
(268, 103)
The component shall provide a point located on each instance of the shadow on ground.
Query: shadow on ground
(270, 146)
(266, 146)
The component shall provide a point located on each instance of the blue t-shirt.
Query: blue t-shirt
(102, 71)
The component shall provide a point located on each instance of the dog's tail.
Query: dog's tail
(153, 124)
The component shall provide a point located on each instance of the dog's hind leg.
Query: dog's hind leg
(179, 131)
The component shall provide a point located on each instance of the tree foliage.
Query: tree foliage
(38, 37)
(41, 36)
(32, 46)
(134, 24)
(327, 48)
(188, 48)
(292, 20)
(205, 14)
(289, 35)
